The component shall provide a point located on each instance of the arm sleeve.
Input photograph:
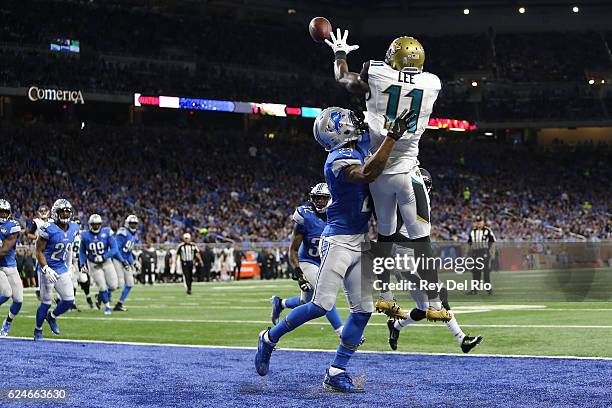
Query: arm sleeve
(364, 71)
(82, 255)
(469, 236)
(492, 236)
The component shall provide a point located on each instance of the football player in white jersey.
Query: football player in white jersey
(391, 86)
(37, 223)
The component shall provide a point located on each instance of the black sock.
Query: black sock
(8, 319)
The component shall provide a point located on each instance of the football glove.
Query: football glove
(400, 124)
(84, 269)
(303, 283)
(305, 286)
(127, 266)
(338, 43)
(98, 259)
(51, 275)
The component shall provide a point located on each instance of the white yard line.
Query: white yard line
(263, 322)
(198, 346)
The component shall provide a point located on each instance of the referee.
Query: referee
(187, 253)
(482, 245)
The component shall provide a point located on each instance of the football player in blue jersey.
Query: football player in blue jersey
(10, 282)
(95, 254)
(309, 220)
(124, 259)
(347, 173)
(54, 253)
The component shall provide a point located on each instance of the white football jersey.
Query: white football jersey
(390, 93)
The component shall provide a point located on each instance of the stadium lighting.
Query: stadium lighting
(591, 81)
(488, 133)
(474, 83)
(521, 10)
(466, 11)
(603, 81)
(575, 9)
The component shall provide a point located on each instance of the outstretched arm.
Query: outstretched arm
(351, 81)
(368, 172)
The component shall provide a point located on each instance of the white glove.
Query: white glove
(338, 42)
(52, 276)
(127, 266)
(98, 259)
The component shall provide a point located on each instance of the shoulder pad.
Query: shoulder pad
(122, 231)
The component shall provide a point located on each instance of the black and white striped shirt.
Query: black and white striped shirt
(186, 252)
(480, 239)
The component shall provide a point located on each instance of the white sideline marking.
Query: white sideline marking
(412, 353)
(264, 322)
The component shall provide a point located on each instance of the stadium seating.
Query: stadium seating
(227, 185)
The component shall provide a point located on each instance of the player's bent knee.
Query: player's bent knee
(325, 304)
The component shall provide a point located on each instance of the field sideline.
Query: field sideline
(232, 313)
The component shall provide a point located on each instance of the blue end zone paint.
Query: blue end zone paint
(120, 375)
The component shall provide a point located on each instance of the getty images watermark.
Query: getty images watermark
(405, 267)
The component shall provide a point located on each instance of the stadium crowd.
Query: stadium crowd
(132, 57)
(225, 185)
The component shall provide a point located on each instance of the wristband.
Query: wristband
(340, 55)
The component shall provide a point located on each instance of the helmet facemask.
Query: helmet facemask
(64, 215)
(320, 202)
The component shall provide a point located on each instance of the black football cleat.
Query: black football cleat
(393, 334)
(469, 343)
(119, 307)
(90, 303)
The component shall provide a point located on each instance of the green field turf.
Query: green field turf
(233, 313)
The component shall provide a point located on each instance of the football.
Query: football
(319, 29)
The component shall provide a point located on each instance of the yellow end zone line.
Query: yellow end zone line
(415, 353)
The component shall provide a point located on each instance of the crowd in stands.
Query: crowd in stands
(225, 185)
(210, 56)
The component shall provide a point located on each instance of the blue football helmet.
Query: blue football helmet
(335, 127)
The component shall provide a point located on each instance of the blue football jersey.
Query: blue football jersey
(7, 229)
(101, 244)
(58, 252)
(349, 212)
(311, 225)
(125, 244)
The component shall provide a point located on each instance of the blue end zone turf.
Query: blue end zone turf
(121, 375)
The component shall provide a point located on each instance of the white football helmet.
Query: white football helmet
(95, 223)
(320, 197)
(335, 127)
(5, 211)
(61, 211)
(131, 223)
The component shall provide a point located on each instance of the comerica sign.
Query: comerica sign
(59, 95)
